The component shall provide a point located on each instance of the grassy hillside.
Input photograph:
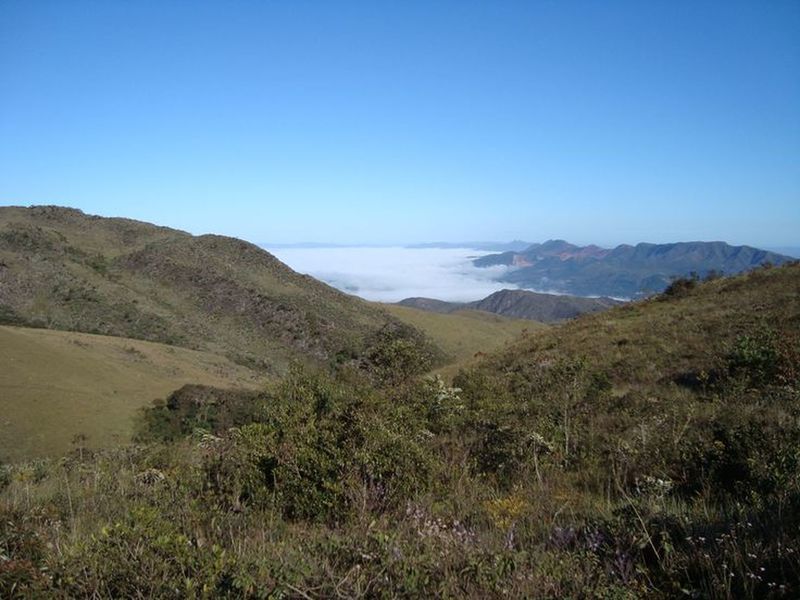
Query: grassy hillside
(55, 385)
(464, 333)
(649, 451)
(667, 342)
(62, 269)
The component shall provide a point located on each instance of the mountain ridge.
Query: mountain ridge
(63, 269)
(626, 271)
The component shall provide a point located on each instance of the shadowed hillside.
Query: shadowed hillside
(62, 269)
(546, 308)
(520, 304)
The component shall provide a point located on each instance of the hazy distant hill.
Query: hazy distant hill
(515, 245)
(793, 251)
(625, 271)
(521, 304)
(63, 269)
(540, 307)
(432, 304)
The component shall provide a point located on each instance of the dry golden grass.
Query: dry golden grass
(54, 385)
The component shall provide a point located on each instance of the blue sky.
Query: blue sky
(381, 122)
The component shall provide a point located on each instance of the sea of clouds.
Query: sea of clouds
(392, 274)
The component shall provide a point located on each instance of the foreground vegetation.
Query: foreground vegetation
(652, 450)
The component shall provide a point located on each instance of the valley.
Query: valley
(462, 333)
(399, 300)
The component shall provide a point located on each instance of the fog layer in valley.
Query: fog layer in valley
(391, 274)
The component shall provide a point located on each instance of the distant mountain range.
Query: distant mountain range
(520, 304)
(622, 272)
(513, 246)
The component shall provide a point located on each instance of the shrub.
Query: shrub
(681, 286)
(754, 358)
(144, 555)
(198, 407)
(501, 452)
(754, 460)
(318, 440)
(5, 476)
(397, 353)
(21, 554)
(763, 357)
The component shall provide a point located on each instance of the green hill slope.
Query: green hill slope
(670, 339)
(62, 269)
(55, 385)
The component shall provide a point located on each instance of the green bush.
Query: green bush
(397, 353)
(681, 286)
(144, 555)
(194, 407)
(754, 358)
(317, 441)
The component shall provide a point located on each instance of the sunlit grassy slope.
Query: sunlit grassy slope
(54, 385)
(63, 269)
(656, 343)
(464, 333)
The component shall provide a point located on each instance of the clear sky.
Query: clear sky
(409, 121)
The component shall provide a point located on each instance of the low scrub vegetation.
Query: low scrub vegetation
(540, 472)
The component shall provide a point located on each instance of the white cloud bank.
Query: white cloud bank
(391, 274)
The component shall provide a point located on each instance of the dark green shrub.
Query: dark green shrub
(144, 555)
(393, 465)
(681, 286)
(5, 476)
(319, 441)
(754, 358)
(757, 461)
(22, 553)
(501, 451)
(8, 316)
(397, 353)
(195, 407)
(764, 357)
